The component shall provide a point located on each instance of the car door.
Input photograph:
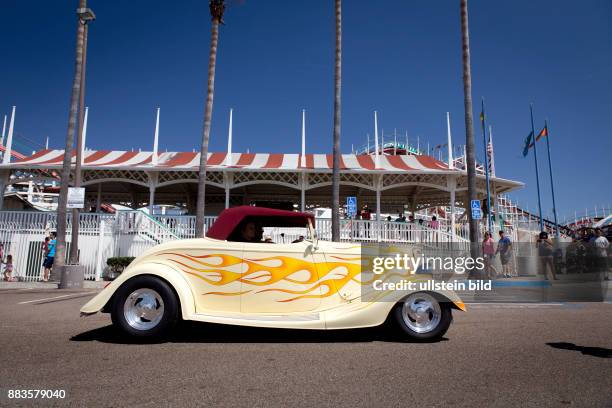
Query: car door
(279, 278)
(213, 270)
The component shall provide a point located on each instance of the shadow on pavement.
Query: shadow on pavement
(192, 332)
(589, 351)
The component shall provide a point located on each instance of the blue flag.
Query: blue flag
(527, 144)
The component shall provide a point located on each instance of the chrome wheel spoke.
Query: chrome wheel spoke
(421, 312)
(143, 309)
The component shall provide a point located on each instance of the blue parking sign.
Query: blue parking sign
(476, 214)
(351, 206)
(475, 205)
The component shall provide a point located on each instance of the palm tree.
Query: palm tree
(337, 113)
(60, 249)
(469, 124)
(217, 7)
(74, 245)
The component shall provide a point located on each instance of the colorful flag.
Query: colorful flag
(543, 133)
(528, 144)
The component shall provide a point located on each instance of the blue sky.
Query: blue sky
(402, 58)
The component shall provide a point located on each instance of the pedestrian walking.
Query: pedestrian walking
(366, 215)
(8, 269)
(49, 257)
(504, 249)
(601, 252)
(545, 254)
(434, 224)
(488, 254)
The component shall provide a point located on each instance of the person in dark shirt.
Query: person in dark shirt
(545, 252)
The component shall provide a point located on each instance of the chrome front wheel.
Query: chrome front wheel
(143, 309)
(145, 306)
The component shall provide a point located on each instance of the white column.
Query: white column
(376, 139)
(151, 198)
(449, 142)
(303, 181)
(9, 141)
(84, 135)
(227, 182)
(303, 157)
(156, 139)
(228, 157)
(153, 177)
(3, 130)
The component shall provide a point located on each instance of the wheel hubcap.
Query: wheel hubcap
(421, 312)
(143, 309)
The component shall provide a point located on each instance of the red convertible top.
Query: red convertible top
(231, 218)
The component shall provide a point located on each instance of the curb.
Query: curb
(49, 285)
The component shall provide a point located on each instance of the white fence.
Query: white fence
(129, 233)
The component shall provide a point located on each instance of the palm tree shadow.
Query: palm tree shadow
(589, 351)
(195, 332)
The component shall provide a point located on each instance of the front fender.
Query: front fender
(157, 268)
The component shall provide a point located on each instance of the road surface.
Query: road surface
(552, 355)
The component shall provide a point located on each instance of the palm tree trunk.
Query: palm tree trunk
(469, 125)
(60, 249)
(337, 115)
(74, 246)
(216, 9)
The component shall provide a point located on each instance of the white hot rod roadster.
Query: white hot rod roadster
(233, 277)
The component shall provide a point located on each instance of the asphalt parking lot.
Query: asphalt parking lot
(538, 355)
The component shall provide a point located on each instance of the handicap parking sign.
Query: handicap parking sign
(475, 204)
(351, 206)
(476, 214)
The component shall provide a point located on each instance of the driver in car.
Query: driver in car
(251, 232)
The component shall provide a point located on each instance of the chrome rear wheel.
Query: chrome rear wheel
(421, 312)
(422, 316)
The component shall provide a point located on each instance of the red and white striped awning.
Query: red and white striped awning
(108, 159)
(14, 153)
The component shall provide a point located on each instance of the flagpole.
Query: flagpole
(552, 184)
(484, 138)
(535, 155)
